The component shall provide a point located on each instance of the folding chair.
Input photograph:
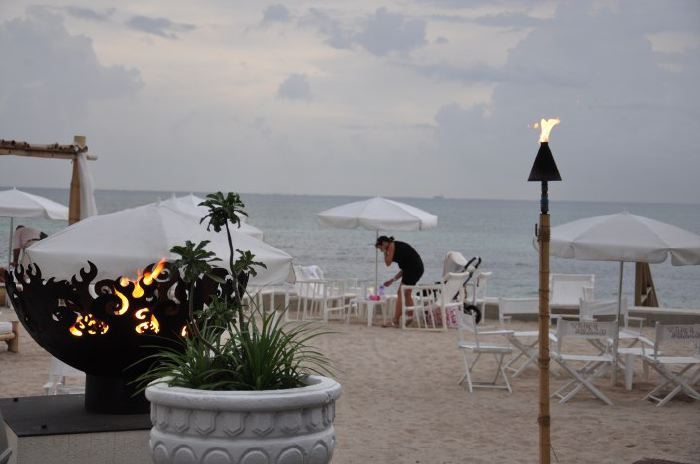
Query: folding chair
(591, 310)
(524, 341)
(466, 324)
(688, 374)
(595, 364)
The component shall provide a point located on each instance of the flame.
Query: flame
(183, 332)
(149, 276)
(88, 324)
(123, 281)
(125, 303)
(545, 127)
(138, 289)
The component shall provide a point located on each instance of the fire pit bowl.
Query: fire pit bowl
(105, 328)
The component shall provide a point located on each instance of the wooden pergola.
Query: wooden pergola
(56, 151)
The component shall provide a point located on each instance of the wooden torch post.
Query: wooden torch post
(74, 201)
(543, 238)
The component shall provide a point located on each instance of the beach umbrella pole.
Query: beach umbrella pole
(376, 264)
(616, 339)
(9, 248)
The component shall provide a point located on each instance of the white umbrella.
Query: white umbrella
(189, 205)
(122, 243)
(624, 237)
(378, 214)
(17, 204)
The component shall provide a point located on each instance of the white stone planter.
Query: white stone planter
(291, 426)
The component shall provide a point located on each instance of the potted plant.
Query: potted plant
(245, 387)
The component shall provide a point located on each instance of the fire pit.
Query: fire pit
(105, 328)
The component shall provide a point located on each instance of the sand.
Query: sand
(401, 404)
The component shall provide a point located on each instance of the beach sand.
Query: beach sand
(401, 404)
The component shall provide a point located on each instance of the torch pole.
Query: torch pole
(543, 238)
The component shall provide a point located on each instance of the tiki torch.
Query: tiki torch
(544, 170)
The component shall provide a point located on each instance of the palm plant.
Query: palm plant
(229, 346)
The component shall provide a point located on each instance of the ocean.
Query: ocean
(500, 231)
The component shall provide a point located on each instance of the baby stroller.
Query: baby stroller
(455, 262)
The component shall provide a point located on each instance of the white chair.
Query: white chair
(526, 341)
(433, 304)
(319, 298)
(688, 364)
(566, 290)
(595, 364)
(9, 333)
(425, 298)
(472, 346)
(59, 372)
(591, 310)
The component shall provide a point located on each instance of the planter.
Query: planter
(290, 426)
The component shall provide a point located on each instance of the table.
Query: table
(386, 304)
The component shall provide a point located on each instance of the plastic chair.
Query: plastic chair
(9, 333)
(58, 373)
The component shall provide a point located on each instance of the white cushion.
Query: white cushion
(5, 327)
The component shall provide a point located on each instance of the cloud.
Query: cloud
(276, 13)
(53, 75)
(510, 19)
(385, 32)
(162, 27)
(295, 87)
(336, 35)
(621, 111)
(88, 13)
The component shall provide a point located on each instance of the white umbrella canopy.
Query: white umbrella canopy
(378, 214)
(122, 243)
(189, 205)
(625, 237)
(18, 204)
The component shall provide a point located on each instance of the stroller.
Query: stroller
(455, 262)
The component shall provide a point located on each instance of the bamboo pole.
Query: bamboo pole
(544, 418)
(74, 202)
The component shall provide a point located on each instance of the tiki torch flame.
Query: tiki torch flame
(545, 126)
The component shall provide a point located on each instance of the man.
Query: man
(22, 238)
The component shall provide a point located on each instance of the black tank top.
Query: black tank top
(406, 257)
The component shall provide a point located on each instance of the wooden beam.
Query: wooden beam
(18, 148)
(74, 202)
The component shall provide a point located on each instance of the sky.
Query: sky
(406, 98)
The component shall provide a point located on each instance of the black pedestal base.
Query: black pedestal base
(113, 395)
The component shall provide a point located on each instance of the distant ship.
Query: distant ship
(438, 197)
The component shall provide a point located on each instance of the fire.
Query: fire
(88, 324)
(149, 276)
(183, 332)
(546, 126)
